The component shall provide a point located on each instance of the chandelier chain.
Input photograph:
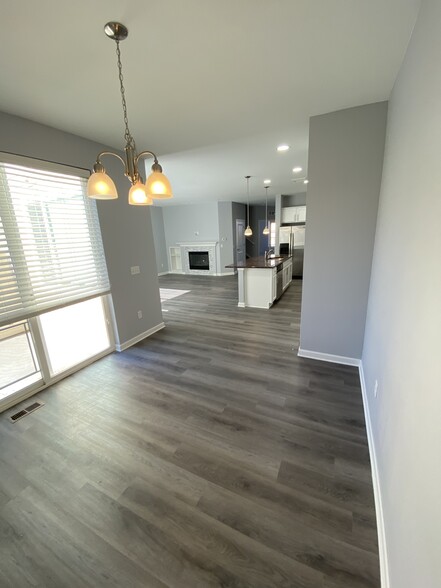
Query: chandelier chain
(127, 134)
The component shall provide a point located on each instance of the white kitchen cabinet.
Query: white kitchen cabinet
(301, 214)
(294, 214)
(288, 214)
(287, 273)
(259, 287)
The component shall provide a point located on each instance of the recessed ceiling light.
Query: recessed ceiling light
(306, 181)
(267, 181)
(296, 170)
(283, 148)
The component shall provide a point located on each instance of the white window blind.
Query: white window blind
(51, 252)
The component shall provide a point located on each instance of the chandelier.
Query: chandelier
(100, 185)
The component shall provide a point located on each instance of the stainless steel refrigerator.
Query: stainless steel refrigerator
(292, 242)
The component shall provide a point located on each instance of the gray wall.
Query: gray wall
(157, 221)
(257, 213)
(226, 252)
(278, 218)
(345, 164)
(126, 241)
(403, 329)
(294, 200)
(191, 223)
(239, 212)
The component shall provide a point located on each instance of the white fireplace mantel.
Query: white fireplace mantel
(193, 246)
(198, 243)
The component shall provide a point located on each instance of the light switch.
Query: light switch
(135, 270)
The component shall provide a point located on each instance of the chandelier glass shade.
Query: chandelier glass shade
(248, 231)
(138, 195)
(100, 185)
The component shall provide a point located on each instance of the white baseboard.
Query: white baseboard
(139, 337)
(382, 548)
(329, 357)
(188, 274)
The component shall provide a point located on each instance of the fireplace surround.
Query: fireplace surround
(203, 260)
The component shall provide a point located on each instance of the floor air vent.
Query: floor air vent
(22, 413)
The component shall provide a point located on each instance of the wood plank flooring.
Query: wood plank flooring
(208, 455)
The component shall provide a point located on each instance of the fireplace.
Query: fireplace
(199, 260)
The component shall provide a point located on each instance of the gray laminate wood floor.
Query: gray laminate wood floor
(207, 455)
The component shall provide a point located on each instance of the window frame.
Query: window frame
(33, 319)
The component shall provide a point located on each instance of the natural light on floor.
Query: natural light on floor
(168, 294)
(74, 334)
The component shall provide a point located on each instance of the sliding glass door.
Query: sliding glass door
(19, 365)
(74, 334)
(54, 286)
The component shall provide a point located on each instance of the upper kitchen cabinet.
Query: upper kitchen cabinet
(294, 214)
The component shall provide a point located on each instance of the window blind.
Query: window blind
(51, 252)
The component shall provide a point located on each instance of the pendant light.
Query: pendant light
(101, 186)
(248, 232)
(266, 229)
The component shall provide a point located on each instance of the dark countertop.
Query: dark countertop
(261, 262)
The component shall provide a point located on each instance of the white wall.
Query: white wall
(345, 164)
(125, 229)
(402, 347)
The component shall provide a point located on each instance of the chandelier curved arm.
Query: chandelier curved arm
(146, 154)
(98, 167)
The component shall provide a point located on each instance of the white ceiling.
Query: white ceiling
(212, 86)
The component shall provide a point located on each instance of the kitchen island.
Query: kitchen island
(262, 280)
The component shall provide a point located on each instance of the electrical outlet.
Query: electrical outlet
(140, 314)
(135, 270)
(376, 388)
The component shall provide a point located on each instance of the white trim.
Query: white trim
(197, 243)
(382, 546)
(329, 357)
(163, 274)
(139, 337)
(241, 305)
(225, 274)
